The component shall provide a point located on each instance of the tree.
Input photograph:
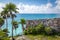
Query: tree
(15, 25)
(1, 22)
(5, 15)
(11, 8)
(22, 22)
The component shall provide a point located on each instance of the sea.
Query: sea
(27, 17)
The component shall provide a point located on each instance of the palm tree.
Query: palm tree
(5, 15)
(15, 25)
(1, 22)
(11, 8)
(22, 22)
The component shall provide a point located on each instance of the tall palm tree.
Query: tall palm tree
(15, 25)
(11, 8)
(1, 22)
(5, 15)
(22, 22)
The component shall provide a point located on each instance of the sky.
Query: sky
(34, 6)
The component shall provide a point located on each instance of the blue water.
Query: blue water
(28, 17)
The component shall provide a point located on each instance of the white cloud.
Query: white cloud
(46, 8)
(58, 5)
(33, 8)
(1, 6)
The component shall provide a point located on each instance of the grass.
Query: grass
(42, 37)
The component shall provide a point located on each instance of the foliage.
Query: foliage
(40, 28)
(5, 14)
(28, 31)
(3, 35)
(1, 21)
(35, 30)
(54, 32)
(25, 32)
(11, 7)
(48, 30)
(15, 24)
(6, 31)
(22, 21)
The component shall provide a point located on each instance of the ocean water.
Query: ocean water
(28, 17)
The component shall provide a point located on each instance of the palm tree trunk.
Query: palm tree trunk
(23, 27)
(12, 29)
(0, 27)
(15, 32)
(23, 30)
(6, 22)
(12, 24)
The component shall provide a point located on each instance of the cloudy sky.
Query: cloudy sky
(34, 6)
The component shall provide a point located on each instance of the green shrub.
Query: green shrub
(40, 28)
(48, 30)
(54, 32)
(3, 35)
(58, 33)
(25, 32)
(35, 30)
(29, 30)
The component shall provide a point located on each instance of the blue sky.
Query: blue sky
(30, 2)
(35, 6)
